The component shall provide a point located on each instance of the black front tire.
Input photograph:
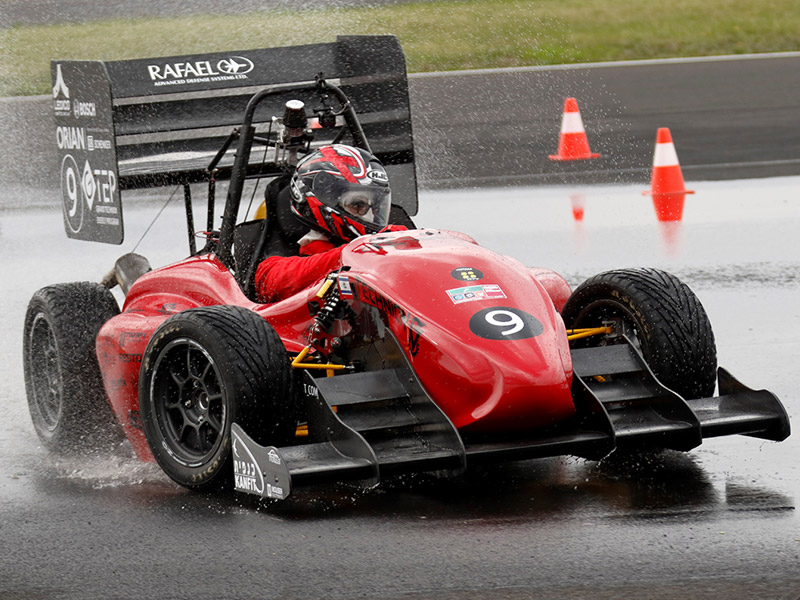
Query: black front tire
(204, 369)
(663, 317)
(66, 398)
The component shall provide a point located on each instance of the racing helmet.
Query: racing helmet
(341, 191)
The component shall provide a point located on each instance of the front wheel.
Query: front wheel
(202, 370)
(661, 315)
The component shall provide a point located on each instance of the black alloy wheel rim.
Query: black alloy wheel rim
(188, 402)
(45, 373)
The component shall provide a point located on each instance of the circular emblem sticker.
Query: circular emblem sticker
(466, 274)
(504, 323)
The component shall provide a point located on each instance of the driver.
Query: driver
(340, 192)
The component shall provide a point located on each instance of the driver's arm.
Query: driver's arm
(279, 277)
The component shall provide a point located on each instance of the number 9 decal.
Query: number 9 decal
(70, 193)
(504, 323)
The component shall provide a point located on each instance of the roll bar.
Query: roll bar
(246, 136)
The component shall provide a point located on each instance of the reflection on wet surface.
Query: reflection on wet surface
(664, 485)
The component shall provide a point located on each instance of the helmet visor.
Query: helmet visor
(366, 203)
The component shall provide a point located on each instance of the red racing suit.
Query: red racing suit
(279, 277)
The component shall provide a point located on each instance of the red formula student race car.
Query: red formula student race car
(424, 352)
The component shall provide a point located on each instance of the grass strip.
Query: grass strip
(436, 36)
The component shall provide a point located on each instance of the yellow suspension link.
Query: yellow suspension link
(576, 334)
(297, 363)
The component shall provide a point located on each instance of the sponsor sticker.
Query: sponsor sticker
(129, 357)
(84, 109)
(273, 456)
(247, 475)
(61, 101)
(274, 491)
(200, 71)
(466, 274)
(472, 293)
(93, 143)
(345, 290)
(126, 336)
(378, 176)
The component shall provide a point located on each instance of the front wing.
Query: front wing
(365, 426)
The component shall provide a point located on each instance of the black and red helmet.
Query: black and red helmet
(341, 191)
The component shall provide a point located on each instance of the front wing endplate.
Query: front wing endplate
(258, 469)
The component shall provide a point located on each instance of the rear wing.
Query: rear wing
(161, 121)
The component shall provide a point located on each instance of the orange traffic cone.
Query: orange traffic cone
(666, 184)
(573, 144)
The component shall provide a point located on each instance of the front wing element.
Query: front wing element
(364, 426)
(257, 469)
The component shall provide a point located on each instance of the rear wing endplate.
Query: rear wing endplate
(160, 121)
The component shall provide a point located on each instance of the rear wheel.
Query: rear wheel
(204, 369)
(661, 315)
(66, 398)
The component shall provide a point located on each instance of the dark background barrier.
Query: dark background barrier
(730, 118)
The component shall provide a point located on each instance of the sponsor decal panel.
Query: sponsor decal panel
(199, 71)
(84, 134)
(472, 293)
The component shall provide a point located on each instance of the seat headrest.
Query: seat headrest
(290, 226)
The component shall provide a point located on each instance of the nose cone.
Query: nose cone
(495, 385)
(480, 331)
(529, 390)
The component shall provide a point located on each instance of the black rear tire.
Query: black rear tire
(66, 398)
(662, 316)
(204, 369)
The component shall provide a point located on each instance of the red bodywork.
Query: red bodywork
(481, 331)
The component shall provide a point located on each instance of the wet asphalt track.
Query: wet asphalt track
(718, 522)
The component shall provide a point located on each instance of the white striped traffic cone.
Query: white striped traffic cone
(666, 183)
(573, 143)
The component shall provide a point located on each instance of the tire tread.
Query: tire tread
(680, 341)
